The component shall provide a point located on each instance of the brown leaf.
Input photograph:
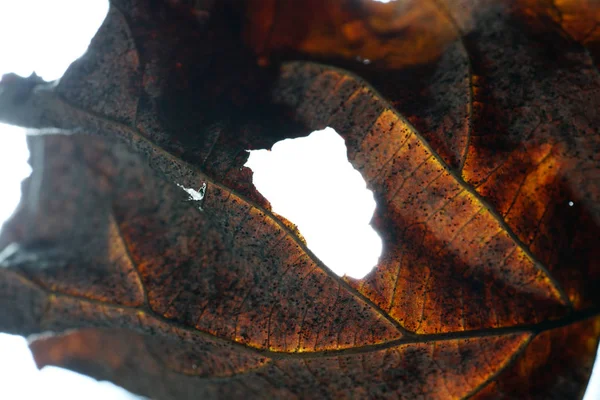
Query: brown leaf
(547, 368)
(410, 51)
(428, 370)
(487, 273)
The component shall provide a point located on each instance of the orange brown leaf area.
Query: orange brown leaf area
(448, 258)
(444, 369)
(452, 263)
(205, 328)
(579, 19)
(97, 224)
(547, 369)
(410, 51)
(518, 95)
(533, 152)
(505, 92)
(440, 370)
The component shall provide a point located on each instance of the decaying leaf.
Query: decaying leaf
(475, 123)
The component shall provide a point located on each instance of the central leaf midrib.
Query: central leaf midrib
(534, 329)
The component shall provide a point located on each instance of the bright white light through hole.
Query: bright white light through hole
(310, 182)
(45, 37)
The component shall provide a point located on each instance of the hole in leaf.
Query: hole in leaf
(195, 195)
(311, 182)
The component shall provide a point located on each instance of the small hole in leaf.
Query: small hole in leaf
(311, 182)
(195, 195)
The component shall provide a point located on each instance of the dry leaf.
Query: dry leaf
(474, 123)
